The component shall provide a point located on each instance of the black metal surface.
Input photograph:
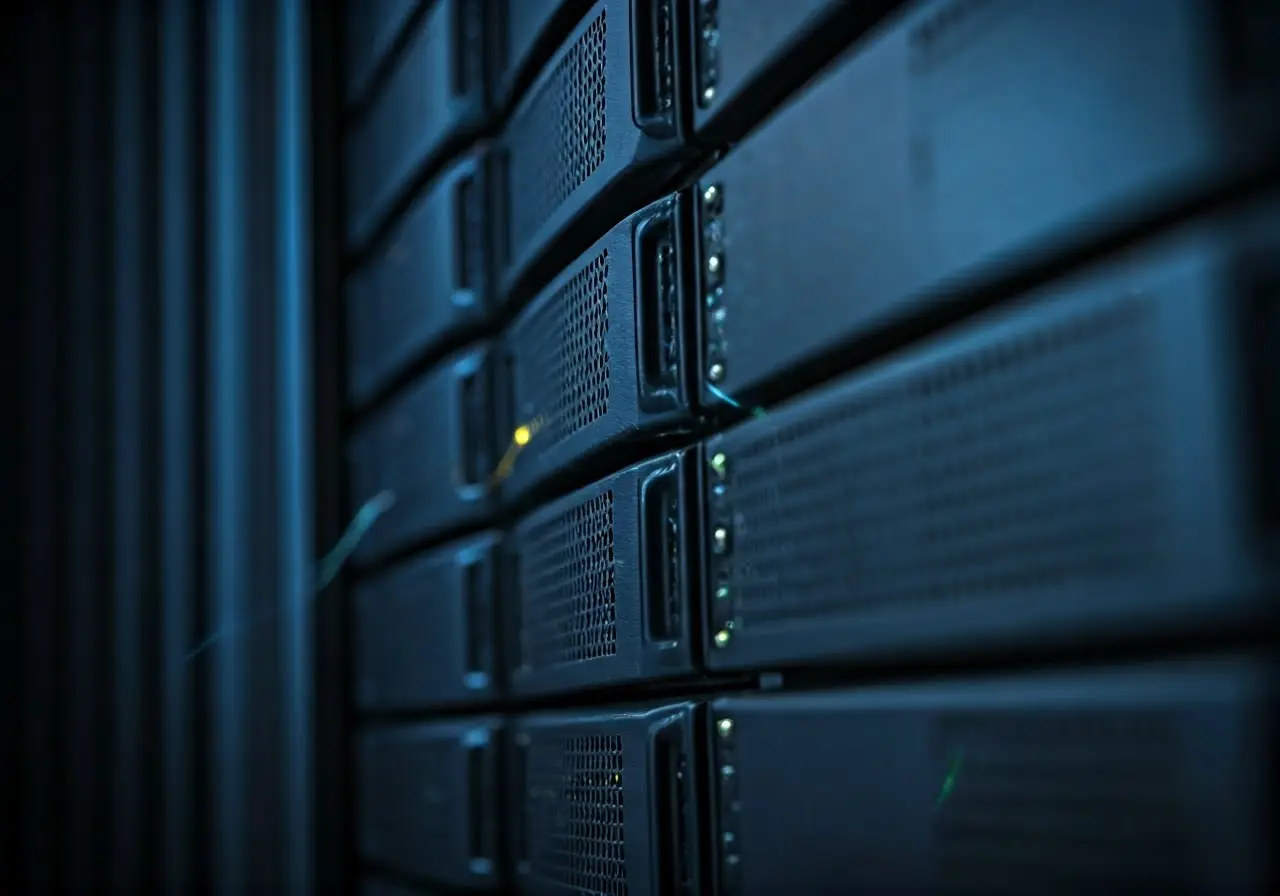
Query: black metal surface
(424, 632)
(370, 31)
(431, 449)
(429, 280)
(600, 356)
(583, 149)
(748, 56)
(1003, 134)
(1126, 779)
(526, 35)
(435, 94)
(428, 801)
(605, 588)
(1065, 469)
(610, 802)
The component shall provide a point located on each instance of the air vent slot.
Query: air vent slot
(575, 809)
(558, 139)
(982, 473)
(1044, 797)
(568, 589)
(654, 55)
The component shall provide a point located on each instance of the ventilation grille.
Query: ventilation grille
(573, 814)
(562, 375)
(559, 140)
(568, 598)
(1061, 802)
(1015, 469)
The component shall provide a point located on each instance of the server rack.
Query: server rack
(836, 459)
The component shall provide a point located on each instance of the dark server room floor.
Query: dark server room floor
(644, 447)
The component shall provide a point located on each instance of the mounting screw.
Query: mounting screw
(713, 264)
(724, 727)
(722, 593)
(715, 372)
(711, 195)
(722, 637)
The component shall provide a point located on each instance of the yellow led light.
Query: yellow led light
(522, 435)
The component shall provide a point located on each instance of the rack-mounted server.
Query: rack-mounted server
(1104, 780)
(434, 95)
(597, 135)
(608, 801)
(600, 359)
(428, 282)
(423, 632)
(1097, 461)
(429, 803)
(604, 586)
(961, 143)
(431, 450)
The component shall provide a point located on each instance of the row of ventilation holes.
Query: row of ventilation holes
(568, 590)
(566, 372)
(1056, 380)
(1063, 764)
(560, 139)
(574, 810)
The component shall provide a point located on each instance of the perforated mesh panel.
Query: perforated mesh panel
(1019, 467)
(574, 815)
(559, 139)
(1061, 802)
(568, 598)
(562, 373)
